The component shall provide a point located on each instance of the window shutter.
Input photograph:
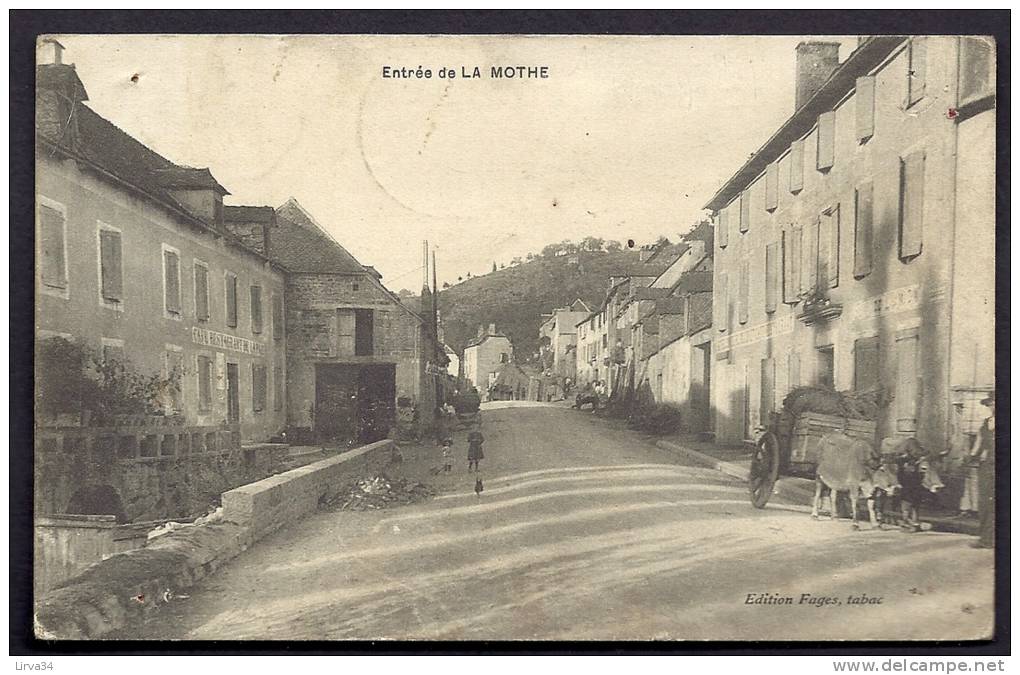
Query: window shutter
(278, 388)
(745, 289)
(258, 384)
(772, 187)
(797, 166)
(745, 210)
(865, 105)
(277, 316)
(908, 377)
(204, 382)
(767, 401)
(911, 203)
(826, 141)
(809, 257)
(977, 69)
(796, 255)
(201, 293)
(789, 293)
(866, 372)
(51, 245)
(231, 283)
(345, 325)
(173, 282)
(771, 276)
(863, 214)
(724, 227)
(917, 72)
(828, 249)
(721, 304)
(256, 309)
(110, 265)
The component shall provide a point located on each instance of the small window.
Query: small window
(230, 283)
(277, 316)
(724, 227)
(111, 277)
(863, 234)
(256, 309)
(826, 155)
(172, 282)
(917, 69)
(355, 286)
(911, 204)
(201, 291)
(52, 246)
(205, 378)
(772, 187)
(865, 107)
(977, 69)
(797, 166)
(258, 387)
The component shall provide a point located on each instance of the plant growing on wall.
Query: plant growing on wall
(72, 377)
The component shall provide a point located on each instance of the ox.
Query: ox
(918, 477)
(850, 465)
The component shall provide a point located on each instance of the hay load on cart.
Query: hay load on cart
(789, 443)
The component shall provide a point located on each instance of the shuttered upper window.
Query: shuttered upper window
(911, 204)
(865, 107)
(797, 166)
(791, 265)
(277, 316)
(863, 229)
(52, 261)
(724, 227)
(828, 248)
(826, 155)
(278, 391)
(809, 258)
(744, 291)
(255, 293)
(258, 387)
(917, 69)
(977, 69)
(771, 277)
(201, 291)
(230, 284)
(172, 282)
(111, 275)
(772, 186)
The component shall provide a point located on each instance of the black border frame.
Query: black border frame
(26, 25)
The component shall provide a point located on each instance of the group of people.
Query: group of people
(445, 422)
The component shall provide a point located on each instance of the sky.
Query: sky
(627, 137)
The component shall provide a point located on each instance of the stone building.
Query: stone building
(484, 355)
(134, 258)
(855, 248)
(560, 332)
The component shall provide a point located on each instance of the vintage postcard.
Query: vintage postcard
(440, 337)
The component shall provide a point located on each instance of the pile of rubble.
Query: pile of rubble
(379, 493)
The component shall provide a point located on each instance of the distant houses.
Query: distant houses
(483, 357)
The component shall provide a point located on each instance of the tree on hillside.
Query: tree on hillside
(613, 246)
(446, 284)
(516, 261)
(592, 244)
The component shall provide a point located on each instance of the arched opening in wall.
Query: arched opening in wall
(98, 500)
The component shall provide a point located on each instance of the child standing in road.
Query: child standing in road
(475, 440)
(447, 455)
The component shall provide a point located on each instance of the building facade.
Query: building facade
(855, 249)
(484, 356)
(560, 332)
(134, 260)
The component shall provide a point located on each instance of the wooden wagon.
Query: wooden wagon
(789, 447)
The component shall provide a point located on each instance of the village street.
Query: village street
(585, 531)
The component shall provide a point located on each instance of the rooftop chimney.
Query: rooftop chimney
(50, 51)
(492, 329)
(815, 62)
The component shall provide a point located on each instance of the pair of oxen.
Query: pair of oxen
(893, 481)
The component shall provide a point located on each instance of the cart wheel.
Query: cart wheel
(764, 470)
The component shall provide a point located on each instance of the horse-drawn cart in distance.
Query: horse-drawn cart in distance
(789, 445)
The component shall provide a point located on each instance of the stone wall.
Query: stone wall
(130, 586)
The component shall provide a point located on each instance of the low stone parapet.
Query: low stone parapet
(126, 587)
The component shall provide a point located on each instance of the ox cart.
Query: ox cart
(789, 446)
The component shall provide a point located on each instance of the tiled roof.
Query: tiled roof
(301, 245)
(249, 214)
(670, 306)
(185, 177)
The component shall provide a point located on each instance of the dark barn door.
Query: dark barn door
(377, 386)
(354, 403)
